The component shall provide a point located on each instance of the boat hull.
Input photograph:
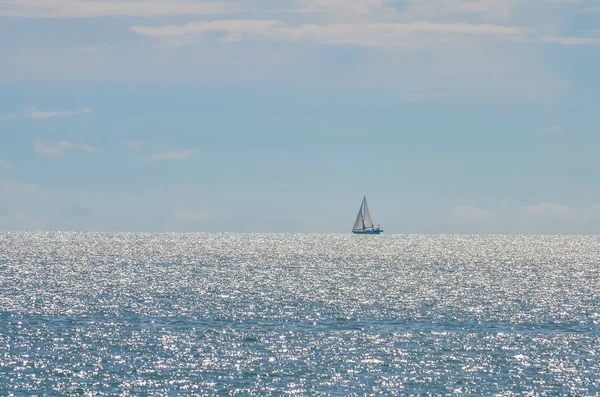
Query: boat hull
(375, 231)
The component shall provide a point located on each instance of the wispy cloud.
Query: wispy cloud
(572, 40)
(411, 9)
(381, 34)
(34, 113)
(173, 155)
(58, 149)
(472, 214)
(354, 6)
(4, 165)
(551, 211)
(103, 8)
(374, 34)
(133, 144)
(553, 130)
(497, 9)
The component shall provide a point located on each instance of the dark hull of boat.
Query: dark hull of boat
(375, 231)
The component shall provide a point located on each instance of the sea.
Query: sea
(107, 314)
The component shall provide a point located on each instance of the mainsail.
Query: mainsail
(359, 224)
(367, 215)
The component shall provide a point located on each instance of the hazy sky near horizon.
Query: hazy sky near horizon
(453, 116)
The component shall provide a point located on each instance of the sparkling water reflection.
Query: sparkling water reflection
(234, 314)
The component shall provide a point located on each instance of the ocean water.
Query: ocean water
(329, 315)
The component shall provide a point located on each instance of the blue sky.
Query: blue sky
(453, 116)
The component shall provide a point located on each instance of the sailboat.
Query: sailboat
(364, 222)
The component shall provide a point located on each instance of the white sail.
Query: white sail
(368, 222)
(359, 224)
(364, 222)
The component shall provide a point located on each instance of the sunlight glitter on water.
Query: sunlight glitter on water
(239, 314)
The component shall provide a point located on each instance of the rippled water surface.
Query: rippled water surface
(235, 314)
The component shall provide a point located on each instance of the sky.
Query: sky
(452, 116)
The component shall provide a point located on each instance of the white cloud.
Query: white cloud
(465, 51)
(497, 9)
(471, 214)
(463, 219)
(102, 8)
(552, 218)
(410, 10)
(553, 130)
(9, 117)
(355, 6)
(368, 34)
(551, 212)
(4, 165)
(571, 40)
(416, 9)
(58, 149)
(133, 144)
(34, 113)
(173, 155)
(468, 60)
(374, 34)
